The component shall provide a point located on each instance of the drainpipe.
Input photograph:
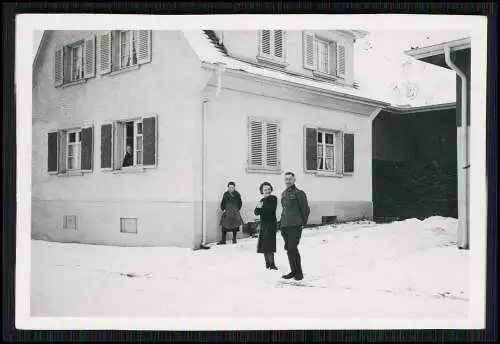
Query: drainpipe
(218, 76)
(463, 163)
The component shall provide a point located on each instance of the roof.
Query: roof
(426, 108)
(207, 48)
(434, 54)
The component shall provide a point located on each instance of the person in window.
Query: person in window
(231, 218)
(266, 208)
(128, 160)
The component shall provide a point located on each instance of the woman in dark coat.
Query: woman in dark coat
(231, 218)
(268, 224)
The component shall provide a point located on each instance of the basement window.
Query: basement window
(70, 222)
(128, 225)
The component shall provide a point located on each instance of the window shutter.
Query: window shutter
(58, 67)
(341, 60)
(149, 137)
(87, 144)
(311, 142)
(106, 145)
(63, 147)
(348, 153)
(278, 43)
(256, 143)
(333, 54)
(272, 145)
(339, 152)
(105, 53)
(66, 65)
(52, 154)
(265, 42)
(143, 46)
(308, 50)
(89, 58)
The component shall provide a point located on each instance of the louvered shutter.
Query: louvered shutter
(333, 54)
(58, 67)
(339, 152)
(311, 149)
(278, 43)
(52, 153)
(309, 50)
(265, 42)
(105, 54)
(341, 63)
(66, 65)
(348, 153)
(106, 146)
(256, 143)
(143, 46)
(87, 144)
(149, 137)
(272, 145)
(89, 58)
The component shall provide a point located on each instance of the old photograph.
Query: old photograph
(254, 172)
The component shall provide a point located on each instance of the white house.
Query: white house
(199, 109)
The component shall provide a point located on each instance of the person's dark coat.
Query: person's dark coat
(128, 160)
(295, 207)
(231, 205)
(268, 225)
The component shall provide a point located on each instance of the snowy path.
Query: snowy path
(404, 269)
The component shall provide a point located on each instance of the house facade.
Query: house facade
(137, 133)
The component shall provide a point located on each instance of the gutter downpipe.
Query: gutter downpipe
(218, 76)
(462, 161)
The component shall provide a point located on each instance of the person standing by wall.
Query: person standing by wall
(266, 208)
(293, 217)
(231, 218)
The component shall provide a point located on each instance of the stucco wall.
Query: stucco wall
(348, 197)
(165, 207)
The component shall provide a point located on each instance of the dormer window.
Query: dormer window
(325, 57)
(272, 46)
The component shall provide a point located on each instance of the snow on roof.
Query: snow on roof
(208, 52)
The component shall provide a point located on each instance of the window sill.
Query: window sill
(263, 170)
(124, 70)
(325, 76)
(73, 83)
(70, 174)
(272, 61)
(126, 170)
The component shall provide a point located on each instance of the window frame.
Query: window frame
(328, 44)
(132, 41)
(79, 44)
(135, 122)
(264, 168)
(78, 144)
(335, 134)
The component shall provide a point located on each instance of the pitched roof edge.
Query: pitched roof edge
(41, 45)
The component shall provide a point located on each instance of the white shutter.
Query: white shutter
(333, 54)
(143, 46)
(272, 145)
(105, 53)
(341, 67)
(255, 135)
(58, 67)
(89, 58)
(278, 43)
(308, 50)
(265, 42)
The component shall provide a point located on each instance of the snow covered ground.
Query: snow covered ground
(403, 269)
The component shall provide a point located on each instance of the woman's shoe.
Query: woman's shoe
(273, 267)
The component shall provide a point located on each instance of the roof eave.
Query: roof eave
(43, 40)
(425, 108)
(438, 49)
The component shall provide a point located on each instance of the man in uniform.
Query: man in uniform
(293, 217)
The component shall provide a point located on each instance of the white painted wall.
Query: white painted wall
(348, 197)
(166, 198)
(245, 43)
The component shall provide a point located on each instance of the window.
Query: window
(263, 145)
(128, 48)
(74, 62)
(70, 150)
(70, 222)
(272, 44)
(323, 56)
(328, 151)
(128, 225)
(123, 49)
(130, 143)
(73, 150)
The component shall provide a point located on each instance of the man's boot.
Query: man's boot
(298, 268)
(292, 267)
(267, 260)
(272, 266)
(223, 239)
(234, 237)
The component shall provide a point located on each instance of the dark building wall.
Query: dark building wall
(414, 164)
